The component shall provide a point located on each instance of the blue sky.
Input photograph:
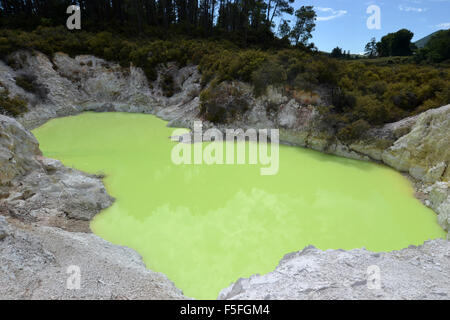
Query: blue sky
(343, 22)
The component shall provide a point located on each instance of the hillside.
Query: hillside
(355, 95)
(422, 42)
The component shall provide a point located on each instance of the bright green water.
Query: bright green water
(206, 226)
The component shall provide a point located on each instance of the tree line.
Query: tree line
(399, 43)
(252, 20)
(340, 54)
(393, 44)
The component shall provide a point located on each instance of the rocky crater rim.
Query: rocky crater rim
(417, 146)
(42, 192)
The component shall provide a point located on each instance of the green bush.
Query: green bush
(167, 85)
(223, 103)
(12, 107)
(342, 100)
(269, 73)
(29, 84)
(230, 65)
(26, 83)
(371, 109)
(353, 131)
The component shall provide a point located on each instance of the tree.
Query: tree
(340, 54)
(336, 53)
(284, 29)
(396, 44)
(304, 25)
(276, 8)
(371, 50)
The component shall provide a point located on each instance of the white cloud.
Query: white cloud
(333, 14)
(411, 9)
(445, 25)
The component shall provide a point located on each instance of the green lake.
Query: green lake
(205, 226)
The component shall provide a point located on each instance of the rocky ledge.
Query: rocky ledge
(412, 273)
(45, 210)
(45, 207)
(36, 263)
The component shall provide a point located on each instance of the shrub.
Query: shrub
(29, 84)
(403, 96)
(26, 82)
(268, 74)
(230, 65)
(167, 85)
(378, 88)
(353, 131)
(12, 107)
(342, 100)
(224, 102)
(369, 108)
